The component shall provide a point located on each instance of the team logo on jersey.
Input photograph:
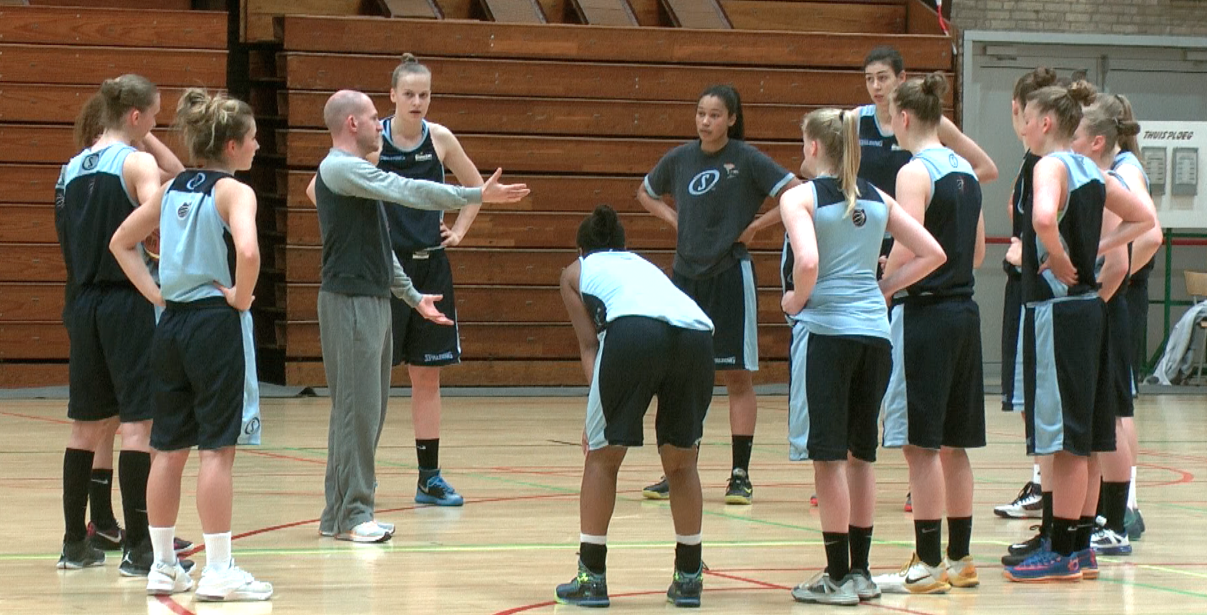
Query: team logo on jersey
(90, 161)
(960, 185)
(182, 212)
(196, 181)
(703, 182)
(731, 170)
(422, 157)
(952, 159)
(859, 217)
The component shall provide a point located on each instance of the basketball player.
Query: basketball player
(359, 270)
(639, 337)
(719, 182)
(1144, 250)
(1031, 501)
(1065, 321)
(882, 157)
(109, 324)
(840, 355)
(1099, 137)
(104, 533)
(935, 404)
(203, 351)
(415, 148)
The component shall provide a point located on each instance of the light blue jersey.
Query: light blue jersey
(846, 299)
(616, 284)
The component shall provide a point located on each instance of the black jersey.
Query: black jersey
(880, 157)
(91, 202)
(412, 230)
(1080, 226)
(952, 216)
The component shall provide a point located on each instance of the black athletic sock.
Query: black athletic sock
(1064, 536)
(133, 468)
(742, 446)
(428, 452)
(838, 563)
(1114, 505)
(687, 557)
(593, 556)
(959, 537)
(77, 471)
(1045, 527)
(861, 546)
(1085, 530)
(928, 541)
(100, 499)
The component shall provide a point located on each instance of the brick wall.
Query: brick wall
(1150, 17)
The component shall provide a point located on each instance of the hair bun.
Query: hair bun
(409, 58)
(1044, 76)
(1129, 128)
(934, 84)
(1083, 92)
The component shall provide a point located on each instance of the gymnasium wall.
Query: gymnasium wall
(1150, 17)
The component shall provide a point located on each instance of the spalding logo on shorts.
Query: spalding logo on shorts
(703, 182)
(859, 217)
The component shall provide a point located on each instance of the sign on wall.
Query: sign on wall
(1173, 154)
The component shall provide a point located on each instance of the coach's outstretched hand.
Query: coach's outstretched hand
(427, 309)
(494, 192)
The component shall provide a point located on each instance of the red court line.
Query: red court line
(735, 577)
(174, 606)
(321, 462)
(37, 418)
(538, 605)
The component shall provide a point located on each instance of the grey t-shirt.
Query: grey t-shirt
(717, 196)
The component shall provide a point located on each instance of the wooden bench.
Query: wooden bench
(60, 104)
(604, 12)
(697, 14)
(559, 116)
(514, 11)
(54, 144)
(31, 262)
(27, 224)
(501, 267)
(111, 27)
(478, 341)
(303, 148)
(26, 302)
(60, 64)
(553, 79)
(861, 17)
(604, 44)
(504, 373)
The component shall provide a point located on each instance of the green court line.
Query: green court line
(1159, 588)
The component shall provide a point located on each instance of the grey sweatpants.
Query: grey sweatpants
(357, 349)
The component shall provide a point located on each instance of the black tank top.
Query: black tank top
(412, 230)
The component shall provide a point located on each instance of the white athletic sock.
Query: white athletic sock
(1035, 474)
(593, 540)
(162, 544)
(693, 539)
(217, 551)
(1131, 491)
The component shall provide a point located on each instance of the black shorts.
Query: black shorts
(1118, 364)
(110, 329)
(1063, 351)
(1137, 308)
(1012, 315)
(417, 340)
(200, 356)
(936, 396)
(730, 301)
(835, 386)
(640, 358)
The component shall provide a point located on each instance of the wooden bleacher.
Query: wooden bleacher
(580, 113)
(54, 58)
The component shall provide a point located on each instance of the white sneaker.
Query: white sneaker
(1029, 504)
(367, 532)
(388, 527)
(1106, 542)
(166, 579)
(231, 585)
(821, 589)
(915, 578)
